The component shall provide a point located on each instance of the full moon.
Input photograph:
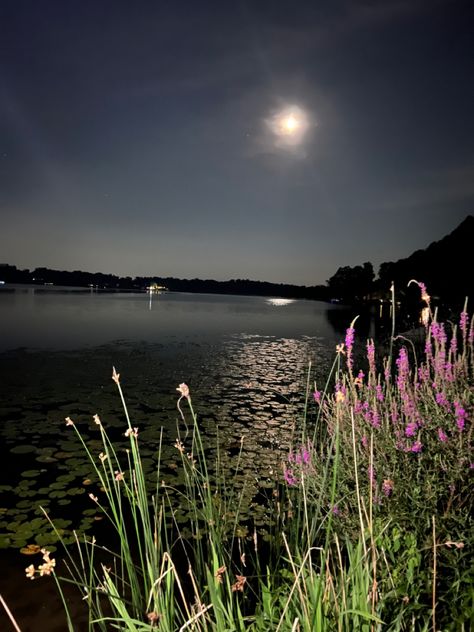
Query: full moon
(289, 126)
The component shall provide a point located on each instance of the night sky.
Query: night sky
(232, 139)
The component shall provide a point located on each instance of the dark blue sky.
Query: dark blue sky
(136, 137)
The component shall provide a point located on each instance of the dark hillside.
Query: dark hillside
(445, 266)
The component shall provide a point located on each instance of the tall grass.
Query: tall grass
(372, 512)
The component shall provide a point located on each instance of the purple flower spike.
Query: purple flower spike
(349, 344)
(305, 453)
(460, 415)
(442, 436)
(442, 401)
(290, 478)
(371, 355)
(416, 447)
(463, 322)
(403, 369)
(380, 395)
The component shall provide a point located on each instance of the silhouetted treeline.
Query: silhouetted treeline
(445, 266)
(349, 284)
(238, 286)
(78, 278)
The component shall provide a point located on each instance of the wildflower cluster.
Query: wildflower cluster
(299, 464)
(43, 569)
(415, 414)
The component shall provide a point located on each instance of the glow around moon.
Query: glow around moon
(289, 126)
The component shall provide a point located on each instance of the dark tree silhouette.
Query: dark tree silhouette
(352, 284)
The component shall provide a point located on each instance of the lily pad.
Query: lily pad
(45, 458)
(30, 473)
(5, 540)
(57, 494)
(61, 523)
(24, 504)
(76, 491)
(65, 478)
(23, 449)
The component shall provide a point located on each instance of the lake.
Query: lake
(244, 358)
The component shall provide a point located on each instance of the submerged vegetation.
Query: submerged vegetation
(370, 515)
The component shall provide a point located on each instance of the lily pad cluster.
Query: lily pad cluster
(248, 401)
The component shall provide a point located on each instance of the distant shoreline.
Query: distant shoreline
(193, 286)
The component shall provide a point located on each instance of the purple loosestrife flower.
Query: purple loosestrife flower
(371, 355)
(290, 478)
(299, 459)
(423, 374)
(300, 463)
(411, 429)
(359, 381)
(358, 408)
(428, 349)
(364, 441)
(409, 406)
(453, 345)
(305, 455)
(442, 401)
(460, 415)
(438, 333)
(373, 418)
(379, 393)
(416, 447)
(424, 292)
(463, 321)
(349, 342)
(449, 372)
(317, 396)
(403, 369)
(442, 436)
(394, 415)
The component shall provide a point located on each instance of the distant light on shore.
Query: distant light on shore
(280, 301)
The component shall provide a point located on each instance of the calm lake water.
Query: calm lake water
(60, 319)
(245, 360)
